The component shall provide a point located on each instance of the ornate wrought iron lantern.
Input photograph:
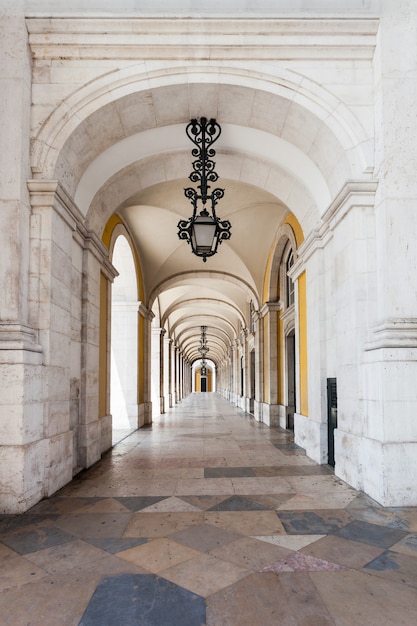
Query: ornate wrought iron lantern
(204, 230)
(203, 349)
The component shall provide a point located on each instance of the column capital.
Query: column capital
(145, 312)
(270, 307)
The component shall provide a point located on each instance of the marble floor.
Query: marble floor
(208, 517)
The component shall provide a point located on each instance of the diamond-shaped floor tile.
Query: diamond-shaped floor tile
(173, 504)
(136, 596)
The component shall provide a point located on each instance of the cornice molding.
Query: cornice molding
(355, 193)
(393, 333)
(202, 37)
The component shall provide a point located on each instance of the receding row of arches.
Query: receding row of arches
(131, 357)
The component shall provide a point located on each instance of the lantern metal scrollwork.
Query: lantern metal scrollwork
(204, 230)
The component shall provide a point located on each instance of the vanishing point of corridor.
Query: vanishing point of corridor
(208, 517)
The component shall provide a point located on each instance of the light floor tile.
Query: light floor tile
(246, 522)
(158, 555)
(204, 575)
(292, 542)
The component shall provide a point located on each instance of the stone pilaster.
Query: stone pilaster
(259, 364)
(145, 363)
(22, 445)
(270, 408)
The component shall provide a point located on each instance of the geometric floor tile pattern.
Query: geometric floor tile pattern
(208, 517)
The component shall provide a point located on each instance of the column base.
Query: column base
(312, 436)
(90, 443)
(106, 423)
(144, 414)
(23, 476)
(270, 414)
(384, 471)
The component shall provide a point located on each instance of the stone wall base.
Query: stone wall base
(312, 436)
(384, 471)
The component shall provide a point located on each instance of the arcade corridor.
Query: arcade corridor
(208, 517)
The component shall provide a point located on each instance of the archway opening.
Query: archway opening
(290, 376)
(124, 343)
(204, 376)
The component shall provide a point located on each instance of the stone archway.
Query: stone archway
(124, 343)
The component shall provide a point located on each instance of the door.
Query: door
(290, 345)
(252, 383)
(331, 417)
(203, 383)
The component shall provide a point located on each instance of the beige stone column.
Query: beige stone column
(54, 223)
(171, 373)
(94, 256)
(107, 275)
(145, 366)
(176, 374)
(270, 408)
(157, 379)
(15, 102)
(166, 371)
(244, 401)
(22, 445)
(259, 364)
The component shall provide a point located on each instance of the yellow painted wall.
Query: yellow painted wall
(292, 221)
(266, 357)
(198, 380)
(102, 351)
(281, 360)
(265, 290)
(302, 316)
(113, 221)
(141, 359)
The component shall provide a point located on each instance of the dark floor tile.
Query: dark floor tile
(290, 445)
(34, 539)
(320, 522)
(137, 503)
(391, 518)
(203, 502)
(60, 505)
(143, 599)
(239, 503)
(292, 470)
(395, 566)
(271, 501)
(11, 523)
(114, 545)
(228, 472)
(408, 545)
(372, 534)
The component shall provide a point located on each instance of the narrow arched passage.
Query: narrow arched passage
(124, 343)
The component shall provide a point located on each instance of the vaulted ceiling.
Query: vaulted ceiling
(131, 156)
